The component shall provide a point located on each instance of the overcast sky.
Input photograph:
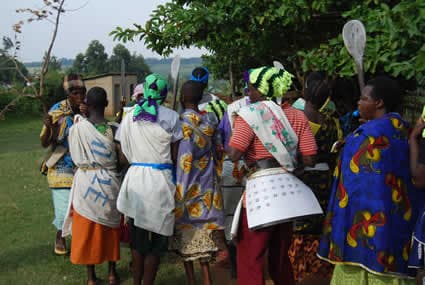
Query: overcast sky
(94, 21)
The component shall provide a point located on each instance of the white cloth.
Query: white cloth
(147, 194)
(235, 107)
(275, 196)
(167, 119)
(261, 124)
(96, 182)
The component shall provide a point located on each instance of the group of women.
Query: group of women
(367, 182)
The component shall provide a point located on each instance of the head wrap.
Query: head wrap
(203, 79)
(271, 81)
(73, 81)
(138, 91)
(155, 92)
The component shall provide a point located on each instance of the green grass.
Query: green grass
(26, 212)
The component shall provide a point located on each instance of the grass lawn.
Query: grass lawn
(26, 212)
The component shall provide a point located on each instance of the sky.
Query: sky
(86, 20)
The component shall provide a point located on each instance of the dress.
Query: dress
(93, 218)
(147, 191)
(199, 202)
(61, 174)
(373, 205)
(289, 135)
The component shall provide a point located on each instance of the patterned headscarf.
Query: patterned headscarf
(198, 78)
(271, 81)
(73, 81)
(155, 92)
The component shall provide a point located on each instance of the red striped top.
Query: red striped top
(245, 140)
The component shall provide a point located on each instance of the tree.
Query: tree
(96, 58)
(79, 65)
(95, 61)
(55, 64)
(139, 66)
(395, 44)
(119, 53)
(51, 11)
(302, 34)
(8, 72)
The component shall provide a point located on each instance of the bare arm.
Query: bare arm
(417, 169)
(308, 160)
(234, 154)
(122, 160)
(47, 138)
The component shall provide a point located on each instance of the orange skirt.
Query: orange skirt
(93, 243)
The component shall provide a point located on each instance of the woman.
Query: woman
(269, 137)
(373, 205)
(92, 216)
(326, 130)
(54, 135)
(199, 204)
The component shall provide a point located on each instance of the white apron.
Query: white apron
(96, 182)
(147, 193)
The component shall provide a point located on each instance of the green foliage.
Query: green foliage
(55, 64)
(302, 34)
(395, 42)
(54, 91)
(95, 61)
(133, 62)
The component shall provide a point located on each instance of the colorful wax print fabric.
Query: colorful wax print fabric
(62, 173)
(373, 205)
(198, 197)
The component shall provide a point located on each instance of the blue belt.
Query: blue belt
(159, 166)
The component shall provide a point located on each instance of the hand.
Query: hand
(417, 130)
(84, 109)
(48, 121)
(244, 199)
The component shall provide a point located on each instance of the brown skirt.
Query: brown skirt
(304, 260)
(93, 243)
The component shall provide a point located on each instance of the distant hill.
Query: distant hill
(159, 65)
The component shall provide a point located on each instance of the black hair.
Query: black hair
(317, 89)
(386, 89)
(191, 92)
(75, 76)
(97, 98)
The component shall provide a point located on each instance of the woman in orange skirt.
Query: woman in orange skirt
(95, 219)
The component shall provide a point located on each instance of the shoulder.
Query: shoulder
(294, 115)
(167, 112)
(58, 105)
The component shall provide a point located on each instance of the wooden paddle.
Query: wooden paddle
(354, 36)
(175, 68)
(278, 65)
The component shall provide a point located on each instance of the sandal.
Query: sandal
(60, 248)
(113, 280)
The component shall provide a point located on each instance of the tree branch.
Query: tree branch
(46, 61)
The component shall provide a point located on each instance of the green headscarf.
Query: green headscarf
(270, 81)
(155, 92)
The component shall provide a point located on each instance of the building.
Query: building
(111, 82)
